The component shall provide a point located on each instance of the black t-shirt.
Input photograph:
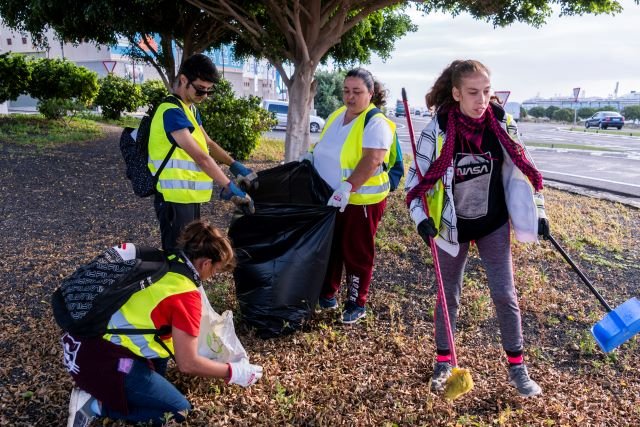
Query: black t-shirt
(478, 193)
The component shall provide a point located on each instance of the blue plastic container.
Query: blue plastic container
(618, 325)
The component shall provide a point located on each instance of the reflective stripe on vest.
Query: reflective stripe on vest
(181, 180)
(136, 314)
(376, 188)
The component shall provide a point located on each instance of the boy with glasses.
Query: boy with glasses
(187, 179)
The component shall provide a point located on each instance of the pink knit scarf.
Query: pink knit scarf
(471, 130)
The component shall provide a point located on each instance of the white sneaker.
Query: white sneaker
(519, 378)
(80, 413)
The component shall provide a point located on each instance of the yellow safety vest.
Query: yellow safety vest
(376, 188)
(181, 180)
(435, 198)
(136, 314)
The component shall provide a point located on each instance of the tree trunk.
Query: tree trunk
(301, 93)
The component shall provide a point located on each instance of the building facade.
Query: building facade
(252, 77)
(632, 98)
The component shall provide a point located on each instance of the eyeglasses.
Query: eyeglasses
(200, 91)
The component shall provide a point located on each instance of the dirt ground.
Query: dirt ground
(61, 206)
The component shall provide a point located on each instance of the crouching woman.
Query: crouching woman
(122, 377)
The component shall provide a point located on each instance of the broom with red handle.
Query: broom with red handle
(460, 381)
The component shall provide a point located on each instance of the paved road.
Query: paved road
(616, 171)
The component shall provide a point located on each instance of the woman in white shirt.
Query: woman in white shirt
(352, 156)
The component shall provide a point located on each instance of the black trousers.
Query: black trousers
(173, 217)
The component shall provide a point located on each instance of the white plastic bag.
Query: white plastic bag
(217, 340)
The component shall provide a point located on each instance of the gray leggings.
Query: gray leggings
(495, 252)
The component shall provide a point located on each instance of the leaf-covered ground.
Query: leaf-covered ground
(60, 206)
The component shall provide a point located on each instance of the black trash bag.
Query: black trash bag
(296, 183)
(283, 249)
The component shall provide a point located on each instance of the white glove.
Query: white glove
(307, 156)
(340, 197)
(244, 373)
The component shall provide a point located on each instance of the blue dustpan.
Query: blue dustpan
(619, 324)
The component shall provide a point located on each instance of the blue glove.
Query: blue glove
(245, 177)
(238, 197)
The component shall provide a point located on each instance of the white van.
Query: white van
(281, 108)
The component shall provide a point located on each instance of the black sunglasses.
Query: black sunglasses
(201, 92)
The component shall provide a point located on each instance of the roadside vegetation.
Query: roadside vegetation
(627, 130)
(567, 146)
(37, 130)
(375, 373)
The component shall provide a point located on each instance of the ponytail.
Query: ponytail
(200, 239)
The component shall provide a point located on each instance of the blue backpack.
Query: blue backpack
(395, 168)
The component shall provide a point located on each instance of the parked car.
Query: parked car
(605, 119)
(426, 113)
(281, 109)
(417, 112)
(399, 109)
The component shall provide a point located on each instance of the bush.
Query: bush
(537, 112)
(586, 112)
(56, 78)
(328, 96)
(15, 74)
(56, 108)
(236, 124)
(153, 92)
(53, 81)
(632, 112)
(117, 95)
(563, 115)
(548, 112)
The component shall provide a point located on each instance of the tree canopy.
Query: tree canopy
(175, 24)
(304, 34)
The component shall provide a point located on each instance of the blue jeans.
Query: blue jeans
(149, 397)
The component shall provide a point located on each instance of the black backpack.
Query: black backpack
(86, 300)
(136, 154)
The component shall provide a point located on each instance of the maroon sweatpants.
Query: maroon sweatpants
(353, 247)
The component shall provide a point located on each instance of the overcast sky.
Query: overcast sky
(591, 52)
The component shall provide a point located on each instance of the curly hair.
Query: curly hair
(379, 98)
(440, 94)
(199, 66)
(200, 239)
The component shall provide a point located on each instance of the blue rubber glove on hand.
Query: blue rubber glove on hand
(245, 177)
(340, 197)
(543, 222)
(239, 198)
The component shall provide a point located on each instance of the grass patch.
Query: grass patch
(123, 121)
(567, 146)
(623, 131)
(36, 130)
(269, 150)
